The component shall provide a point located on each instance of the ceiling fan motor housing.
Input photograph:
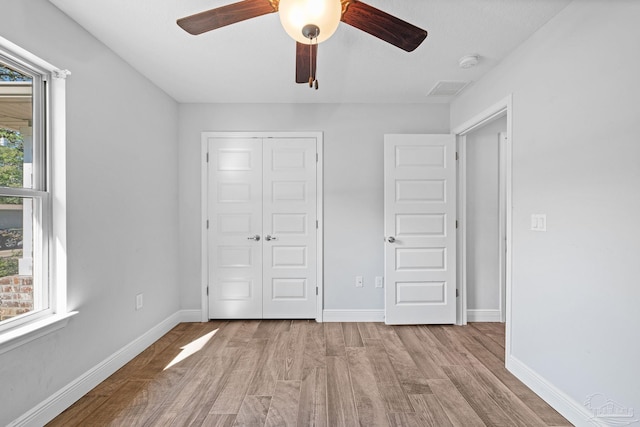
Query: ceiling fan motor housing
(311, 31)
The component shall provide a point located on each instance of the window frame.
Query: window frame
(48, 193)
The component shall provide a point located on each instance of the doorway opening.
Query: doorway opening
(472, 224)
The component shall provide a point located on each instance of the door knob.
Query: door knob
(268, 238)
(256, 238)
(391, 239)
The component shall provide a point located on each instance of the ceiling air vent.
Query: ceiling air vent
(447, 88)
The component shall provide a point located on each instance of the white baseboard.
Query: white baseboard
(573, 411)
(66, 396)
(480, 315)
(353, 315)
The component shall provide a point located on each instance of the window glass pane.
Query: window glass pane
(18, 292)
(16, 128)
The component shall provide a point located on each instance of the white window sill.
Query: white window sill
(23, 334)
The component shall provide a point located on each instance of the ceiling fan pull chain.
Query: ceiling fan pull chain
(311, 62)
(311, 32)
(316, 64)
(312, 78)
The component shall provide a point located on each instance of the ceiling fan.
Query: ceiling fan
(310, 22)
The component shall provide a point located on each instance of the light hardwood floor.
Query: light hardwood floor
(303, 373)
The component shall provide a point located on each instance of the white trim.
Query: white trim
(461, 287)
(573, 411)
(353, 315)
(204, 182)
(58, 179)
(55, 404)
(320, 229)
(204, 251)
(23, 334)
(508, 224)
(483, 315)
(504, 171)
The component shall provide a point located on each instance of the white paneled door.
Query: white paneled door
(419, 222)
(262, 228)
(289, 228)
(235, 228)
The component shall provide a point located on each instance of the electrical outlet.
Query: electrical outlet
(539, 222)
(359, 281)
(139, 302)
(379, 282)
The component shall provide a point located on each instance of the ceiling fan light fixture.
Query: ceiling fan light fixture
(295, 15)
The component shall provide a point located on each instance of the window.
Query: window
(32, 269)
(23, 196)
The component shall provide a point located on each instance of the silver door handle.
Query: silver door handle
(269, 238)
(391, 239)
(256, 238)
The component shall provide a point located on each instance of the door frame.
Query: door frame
(500, 109)
(204, 214)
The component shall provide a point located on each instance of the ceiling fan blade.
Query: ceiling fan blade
(225, 15)
(306, 59)
(393, 30)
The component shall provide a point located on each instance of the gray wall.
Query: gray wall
(122, 207)
(483, 274)
(575, 292)
(353, 184)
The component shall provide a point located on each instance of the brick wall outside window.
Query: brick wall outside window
(16, 296)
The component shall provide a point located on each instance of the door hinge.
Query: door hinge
(316, 290)
(457, 156)
(456, 223)
(207, 157)
(457, 293)
(207, 224)
(317, 224)
(317, 157)
(207, 291)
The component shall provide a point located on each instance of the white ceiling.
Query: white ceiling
(254, 61)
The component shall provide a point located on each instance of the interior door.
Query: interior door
(289, 228)
(419, 221)
(235, 228)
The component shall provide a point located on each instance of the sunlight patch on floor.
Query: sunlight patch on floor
(192, 348)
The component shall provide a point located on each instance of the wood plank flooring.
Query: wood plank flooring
(303, 373)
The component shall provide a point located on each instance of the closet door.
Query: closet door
(289, 228)
(235, 228)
